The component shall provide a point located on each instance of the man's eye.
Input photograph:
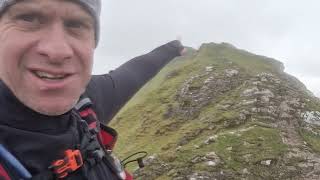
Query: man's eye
(28, 17)
(74, 24)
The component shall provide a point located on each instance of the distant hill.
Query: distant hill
(223, 113)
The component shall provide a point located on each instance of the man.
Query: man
(46, 57)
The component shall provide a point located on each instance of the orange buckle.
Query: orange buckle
(71, 162)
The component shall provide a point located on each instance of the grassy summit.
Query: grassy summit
(224, 113)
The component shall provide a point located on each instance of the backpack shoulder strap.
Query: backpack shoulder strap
(3, 173)
(84, 108)
(106, 136)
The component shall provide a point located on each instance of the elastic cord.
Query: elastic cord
(14, 163)
(125, 161)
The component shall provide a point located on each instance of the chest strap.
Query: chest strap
(70, 163)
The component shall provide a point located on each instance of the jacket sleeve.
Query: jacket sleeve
(109, 92)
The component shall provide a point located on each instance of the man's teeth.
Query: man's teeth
(42, 74)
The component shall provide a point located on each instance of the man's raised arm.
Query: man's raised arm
(111, 91)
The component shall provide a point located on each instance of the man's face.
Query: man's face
(46, 53)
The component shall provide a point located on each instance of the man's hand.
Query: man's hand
(183, 50)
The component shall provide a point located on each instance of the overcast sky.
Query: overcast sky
(287, 30)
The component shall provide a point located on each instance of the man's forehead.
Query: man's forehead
(42, 3)
(46, 6)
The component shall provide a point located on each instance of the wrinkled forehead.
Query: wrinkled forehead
(91, 6)
(49, 7)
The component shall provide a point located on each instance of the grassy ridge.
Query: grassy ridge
(142, 125)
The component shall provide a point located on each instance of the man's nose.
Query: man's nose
(54, 45)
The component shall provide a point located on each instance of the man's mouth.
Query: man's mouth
(50, 76)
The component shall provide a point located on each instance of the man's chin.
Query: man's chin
(53, 110)
(48, 104)
(52, 113)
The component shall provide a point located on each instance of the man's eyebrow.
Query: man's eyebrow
(23, 6)
(81, 17)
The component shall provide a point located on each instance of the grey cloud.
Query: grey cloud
(286, 30)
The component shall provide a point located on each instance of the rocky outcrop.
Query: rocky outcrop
(200, 90)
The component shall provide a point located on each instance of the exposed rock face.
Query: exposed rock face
(223, 113)
(311, 117)
(199, 90)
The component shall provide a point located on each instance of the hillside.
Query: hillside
(222, 113)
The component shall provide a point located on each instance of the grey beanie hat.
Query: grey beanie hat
(93, 7)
